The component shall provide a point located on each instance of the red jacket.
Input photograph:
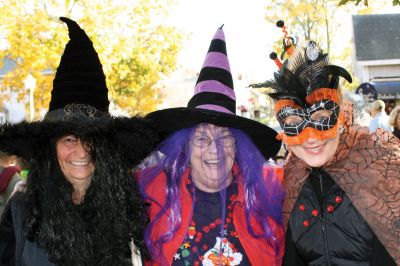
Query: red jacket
(258, 251)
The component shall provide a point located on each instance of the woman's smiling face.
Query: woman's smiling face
(75, 162)
(212, 157)
(314, 152)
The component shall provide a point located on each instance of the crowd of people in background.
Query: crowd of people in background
(197, 185)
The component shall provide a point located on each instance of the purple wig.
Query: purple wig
(263, 193)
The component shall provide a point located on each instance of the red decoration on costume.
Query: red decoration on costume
(206, 229)
(205, 247)
(191, 231)
(302, 207)
(314, 213)
(338, 199)
(218, 221)
(306, 223)
(212, 225)
(330, 208)
(196, 263)
(228, 220)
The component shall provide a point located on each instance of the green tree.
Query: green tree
(365, 2)
(134, 45)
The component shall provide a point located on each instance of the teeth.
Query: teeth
(213, 161)
(80, 163)
(317, 149)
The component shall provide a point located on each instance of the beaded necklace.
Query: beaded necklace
(198, 236)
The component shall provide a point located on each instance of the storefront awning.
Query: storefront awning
(387, 90)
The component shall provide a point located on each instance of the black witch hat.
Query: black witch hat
(79, 106)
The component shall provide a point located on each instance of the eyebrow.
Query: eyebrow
(205, 131)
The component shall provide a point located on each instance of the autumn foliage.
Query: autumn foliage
(134, 45)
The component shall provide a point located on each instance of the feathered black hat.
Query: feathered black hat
(214, 102)
(305, 70)
(79, 106)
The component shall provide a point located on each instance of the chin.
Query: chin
(315, 162)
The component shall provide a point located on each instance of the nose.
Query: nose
(80, 150)
(312, 140)
(213, 146)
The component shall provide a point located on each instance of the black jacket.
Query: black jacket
(14, 248)
(325, 229)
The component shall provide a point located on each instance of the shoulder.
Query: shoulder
(155, 188)
(380, 148)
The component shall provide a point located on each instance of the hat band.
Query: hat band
(75, 112)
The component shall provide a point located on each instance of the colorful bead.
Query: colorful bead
(206, 229)
(302, 207)
(306, 223)
(338, 199)
(330, 208)
(314, 213)
(213, 225)
(218, 221)
(191, 231)
(205, 247)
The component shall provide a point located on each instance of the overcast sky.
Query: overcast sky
(248, 35)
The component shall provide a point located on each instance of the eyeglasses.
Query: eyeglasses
(205, 141)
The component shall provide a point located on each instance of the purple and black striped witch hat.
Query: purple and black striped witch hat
(214, 102)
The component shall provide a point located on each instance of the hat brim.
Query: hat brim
(173, 119)
(135, 136)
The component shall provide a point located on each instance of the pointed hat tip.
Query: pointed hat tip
(221, 26)
(74, 31)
